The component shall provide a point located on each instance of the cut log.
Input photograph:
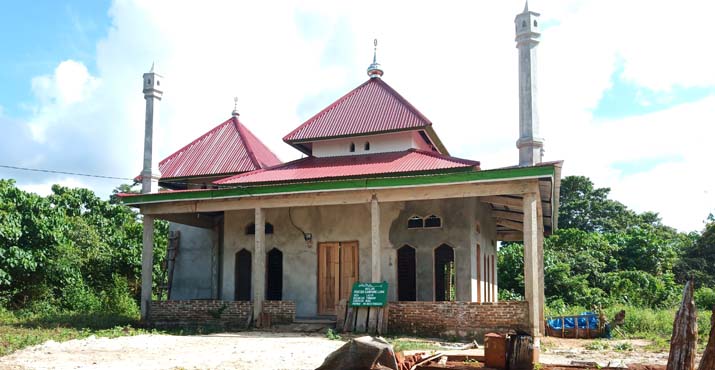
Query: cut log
(684, 342)
(708, 360)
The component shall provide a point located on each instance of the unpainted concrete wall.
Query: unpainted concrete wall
(345, 223)
(196, 266)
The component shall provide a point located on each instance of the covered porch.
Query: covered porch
(509, 204)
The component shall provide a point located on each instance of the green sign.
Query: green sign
(369, 295)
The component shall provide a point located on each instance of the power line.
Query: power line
(110, 177)
(64, 172)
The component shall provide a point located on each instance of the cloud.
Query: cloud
(456, 62)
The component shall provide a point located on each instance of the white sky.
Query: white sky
(455, 61)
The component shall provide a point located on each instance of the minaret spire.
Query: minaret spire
(374, 70)
(152, 94)
(530, 143)
(235, 107)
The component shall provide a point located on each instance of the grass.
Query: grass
(410, 344)
(22, 329)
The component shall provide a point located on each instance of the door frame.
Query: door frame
(318, 269)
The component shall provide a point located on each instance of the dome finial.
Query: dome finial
(235, 107)
(374, 70)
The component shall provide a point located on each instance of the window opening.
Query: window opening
(433, 221)
(274, 275)
(444, 274)
(415, 222)
(367, 145)
(352, 147)
(243, 276)
(406, 274)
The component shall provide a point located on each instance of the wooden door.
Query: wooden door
(348, 268)
(328, 281)
(338, 270)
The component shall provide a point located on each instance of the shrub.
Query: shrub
(118, 298)
(705, 298)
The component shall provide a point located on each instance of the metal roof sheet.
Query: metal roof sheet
(318, 168)
(228, 148)
(372, 107)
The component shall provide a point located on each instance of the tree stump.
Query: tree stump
(708, 360)
(683, 343)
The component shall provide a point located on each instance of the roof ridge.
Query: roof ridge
(327, 109)
(176, 153)
(404, 101)
(249, 150)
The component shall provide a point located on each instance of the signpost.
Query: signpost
(369, 295)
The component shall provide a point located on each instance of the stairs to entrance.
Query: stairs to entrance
(309, 325)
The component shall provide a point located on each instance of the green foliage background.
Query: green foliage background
(606, 254)
(71, 251)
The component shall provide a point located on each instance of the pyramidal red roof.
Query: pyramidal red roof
(228, 148)
(314, 168)
(373, 107)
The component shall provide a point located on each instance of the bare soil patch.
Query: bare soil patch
(245, 350)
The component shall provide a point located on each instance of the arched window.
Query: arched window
(433, 221)
(242, 276)
(352, 147)
(274, 275)
(251, 228)
(415, 222)
(535, 23)
(406, 274)
(444, 274)
(367, 145)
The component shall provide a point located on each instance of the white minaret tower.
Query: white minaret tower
(152, 94)
(530, 143)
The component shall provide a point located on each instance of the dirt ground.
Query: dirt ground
(254, 350)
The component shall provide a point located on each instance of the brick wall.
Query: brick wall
(282, 312)
(457, 319)
(191, 313)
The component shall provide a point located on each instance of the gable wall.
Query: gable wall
(392, 142)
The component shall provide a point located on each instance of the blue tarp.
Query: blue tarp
(589, 318)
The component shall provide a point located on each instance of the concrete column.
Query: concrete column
(259, 265)
(147, 264)
(533, 267)
(376, 249)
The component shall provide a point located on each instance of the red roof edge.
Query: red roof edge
(176, 153)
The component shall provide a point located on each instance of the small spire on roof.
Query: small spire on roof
(152, 67)
(235, 107)
(526, 6)
(374, 70)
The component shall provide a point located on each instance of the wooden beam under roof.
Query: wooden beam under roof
(510, 236)
(510, 224)
(506, 215)
(503, 201)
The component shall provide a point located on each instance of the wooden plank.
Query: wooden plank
(510, 224)
(516, 203)
(349, 268)
(349, 324)
(384, 328)
(341, 314)
(380, 319)
(372, 320)
(361, 321)
(425, 192)
(510, 236)
(506, 215)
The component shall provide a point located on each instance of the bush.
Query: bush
(705, 298)
(118, 298)
(77, 297)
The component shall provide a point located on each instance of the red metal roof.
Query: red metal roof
(314, 168)
(228, 148)
(370, 108)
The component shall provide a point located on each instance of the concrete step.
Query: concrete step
(309, 325)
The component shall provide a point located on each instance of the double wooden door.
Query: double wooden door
(338, 270)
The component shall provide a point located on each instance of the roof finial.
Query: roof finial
(526, 6)
(374, 70)
(235, 107)
(152, 67)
